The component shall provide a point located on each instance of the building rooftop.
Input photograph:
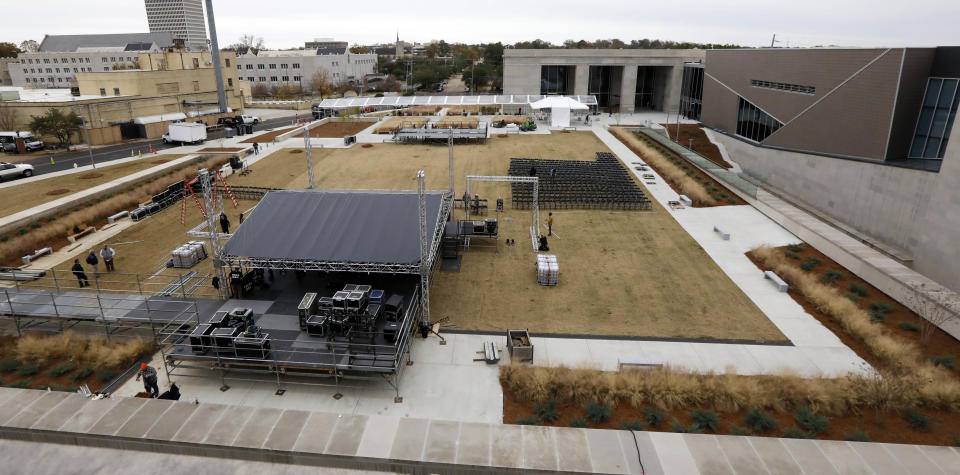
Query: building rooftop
(69, 43)
(49, 95)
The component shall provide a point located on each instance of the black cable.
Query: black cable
(637, 445)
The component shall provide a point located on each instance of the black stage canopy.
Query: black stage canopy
(336, 230)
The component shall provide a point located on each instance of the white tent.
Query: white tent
(560, 107)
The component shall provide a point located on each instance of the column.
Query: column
(628, 88)
(581, 79)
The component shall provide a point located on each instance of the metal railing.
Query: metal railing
(183, 283)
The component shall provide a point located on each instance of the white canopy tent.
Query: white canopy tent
(560, 107)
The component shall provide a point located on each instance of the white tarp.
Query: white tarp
(560, 107)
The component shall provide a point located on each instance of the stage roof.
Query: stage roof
(403, 101)
(335, 230)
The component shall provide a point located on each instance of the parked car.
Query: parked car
(250, 119)
(8, 141)
(15, 170)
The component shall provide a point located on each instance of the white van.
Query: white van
(8, 142)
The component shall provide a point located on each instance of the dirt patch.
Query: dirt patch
(90, 176)
(941, 343)
(296, 150)
(337, 129)
(502, 136)
(367, 145)
(693, 135)
(159, 162)
(890, 427)
(221, 149)
(267, 137)
(58, 192)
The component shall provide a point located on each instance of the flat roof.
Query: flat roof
(403, 101)
(335, 226)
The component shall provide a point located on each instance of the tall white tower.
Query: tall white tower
(182, 18)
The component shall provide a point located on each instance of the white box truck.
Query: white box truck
(185, 132)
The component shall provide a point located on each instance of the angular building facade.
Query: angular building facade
(182, 18)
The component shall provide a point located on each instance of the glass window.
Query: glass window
(937, 114)
(283, 66)
(273, 66)
(229, 82)
(556, 80)
(753, 123)
(296, 65)
(227, 62)
(259, 66)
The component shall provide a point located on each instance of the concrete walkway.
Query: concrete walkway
(416, 445)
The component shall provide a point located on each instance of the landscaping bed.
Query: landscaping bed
(221, 149)
(65, 361)
(681, 175)
(267, 137)
(942, 427)
(337, 129)
(51, 230)
(693, 135)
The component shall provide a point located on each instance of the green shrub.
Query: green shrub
(794, 433)
(62, 369)
(956, 442)
(810, 263)
(28, 370)
(759, 421)
(910, 327)
(5, 238)
(578, 422)
(106, 375)
(21, 231)
(858, 289)
(547, 411)
(876, 316)
(737, 430)
(705, 420)
(35, 225)
(853, 297)
(596, 412)
(654, 417)
(791, 255)
(22, 384)
(731, 201)
(51, 218)
(857, 436)
(881, 307)
(810, 421)
(679, 428)
(528, 421)
(83, 373)
(796, 247)
(943, 361)
(9, 365)
(630, 425)
(917, 421)
(831, 276)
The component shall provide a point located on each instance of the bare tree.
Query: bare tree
(320, 83)
(933, 313)
(8, 117)
(29, 46)
(246, 43)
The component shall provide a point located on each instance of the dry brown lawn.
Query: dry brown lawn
(621, 272)
(14, 199)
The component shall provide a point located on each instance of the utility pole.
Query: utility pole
(86, 136)
(215, 52)
(307, 147)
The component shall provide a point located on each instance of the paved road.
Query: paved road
(63, 161)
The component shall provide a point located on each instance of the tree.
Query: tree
(431, 50)
(287, 92)
(933, 314)
(320, 83)
(357, 49)
(443, 49)
(57, 124)
(247, 43)
(390, 84)
(259, 90)
(8, 117)
(9, 50)
(493, 54)
(29, 46)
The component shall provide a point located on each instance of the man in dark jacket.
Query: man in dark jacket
(77, 270)
(224, 223)
(149, 375)
(92, 261)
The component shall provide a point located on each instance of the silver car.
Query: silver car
(15, 170)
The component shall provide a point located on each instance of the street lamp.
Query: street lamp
(86, 135)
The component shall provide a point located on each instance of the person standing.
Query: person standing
(77, 270)
(107, 254)
(550, 224)
(236, 283)
(224, 223)
(149, 375)
(94, 262)
(256, 148)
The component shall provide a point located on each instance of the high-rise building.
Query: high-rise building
(182, 18)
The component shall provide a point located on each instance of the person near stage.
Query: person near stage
(93, 262)
(224, 223)
(550, 224)
(107, 254)
(236, 283)
(149, 375)
(77, 270)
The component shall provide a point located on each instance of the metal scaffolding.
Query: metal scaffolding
(535, 209)
(424, 246)
(213, 205)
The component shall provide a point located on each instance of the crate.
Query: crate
(548, 270)
(519, 346)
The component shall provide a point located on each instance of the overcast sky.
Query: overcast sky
(289, 23)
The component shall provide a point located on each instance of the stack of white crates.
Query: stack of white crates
(188, 255)
(548, 271)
